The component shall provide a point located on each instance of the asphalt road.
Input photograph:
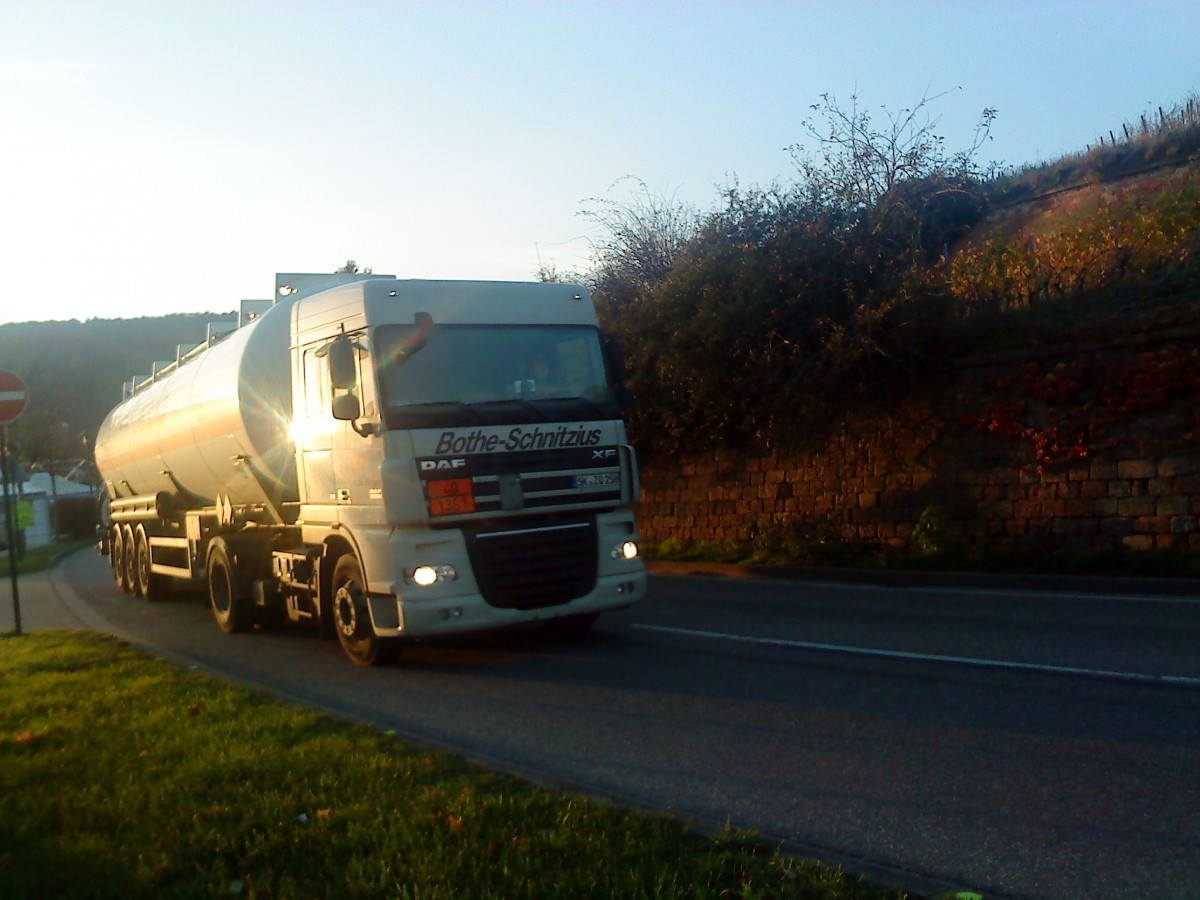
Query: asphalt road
(1040, 746)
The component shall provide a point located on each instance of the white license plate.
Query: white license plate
(602, 480)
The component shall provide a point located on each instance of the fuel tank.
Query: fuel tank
(217, 425)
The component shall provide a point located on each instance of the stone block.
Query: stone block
(1172, 466)
(1001, 509)
(1187, 484)
(1151, 525)
(1078, 508)
(1136, 506)
(1137, 468)
(1173, 506)
(1116, 527)
(1028, 509)
(1160, 487)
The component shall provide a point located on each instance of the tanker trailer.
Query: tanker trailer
(386, 459)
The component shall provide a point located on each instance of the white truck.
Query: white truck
(386, 458)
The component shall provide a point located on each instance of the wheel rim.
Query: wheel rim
(143, 565)
(128, 575)
(116, 554)
(352, 618)
(346, 605)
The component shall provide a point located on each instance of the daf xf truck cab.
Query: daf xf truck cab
(386, 458)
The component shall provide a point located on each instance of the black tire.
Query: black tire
(149, 585)
(116, 549)
(226, 594)
(128, 580)
(352, 618)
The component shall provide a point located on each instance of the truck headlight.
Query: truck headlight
(426, 576)
(625, 550)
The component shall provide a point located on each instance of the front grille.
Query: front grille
(484, 484)
(534, 565)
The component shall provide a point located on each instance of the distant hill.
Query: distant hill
(74, 371)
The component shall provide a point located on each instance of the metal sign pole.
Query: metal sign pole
(10, 516)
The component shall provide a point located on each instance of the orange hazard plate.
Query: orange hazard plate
(451, 496)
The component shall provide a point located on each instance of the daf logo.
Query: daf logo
(433, 465)
(604, 454)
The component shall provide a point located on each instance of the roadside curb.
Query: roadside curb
(898, 578)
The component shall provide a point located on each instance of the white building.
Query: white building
(41, 490)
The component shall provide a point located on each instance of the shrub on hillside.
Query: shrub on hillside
(786, 301)
(1126, 239)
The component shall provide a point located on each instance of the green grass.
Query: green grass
(124, 776)
(38, 558)
(782, 546)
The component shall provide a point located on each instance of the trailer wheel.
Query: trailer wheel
(352, 618)
(231, 608)
(127, 580)
(149, 585)
(116, 553)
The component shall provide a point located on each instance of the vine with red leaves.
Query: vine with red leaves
(1070, 411)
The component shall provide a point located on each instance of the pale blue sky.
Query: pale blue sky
(172, 156)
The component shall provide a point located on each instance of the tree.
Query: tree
(898, 180)
(859, 164)
(642, 238)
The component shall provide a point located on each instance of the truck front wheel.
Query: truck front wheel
(352, 618)
(231, 608)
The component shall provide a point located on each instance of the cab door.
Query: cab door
(358, 450)
(314, 428)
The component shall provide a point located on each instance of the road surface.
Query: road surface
(1022, 745)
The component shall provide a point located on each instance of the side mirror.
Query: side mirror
(343, 364)
(346, 407)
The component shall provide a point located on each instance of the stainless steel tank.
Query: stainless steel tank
(216, 426)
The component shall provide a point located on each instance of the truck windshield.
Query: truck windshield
(491, 374)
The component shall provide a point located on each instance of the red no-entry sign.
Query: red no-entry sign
(12, 397)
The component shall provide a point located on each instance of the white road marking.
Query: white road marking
(1138, 677)
(958, 589)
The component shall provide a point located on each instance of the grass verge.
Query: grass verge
(124, 776)
(1031, 557)
(38, 558)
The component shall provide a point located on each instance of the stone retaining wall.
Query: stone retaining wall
(1139, 486)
